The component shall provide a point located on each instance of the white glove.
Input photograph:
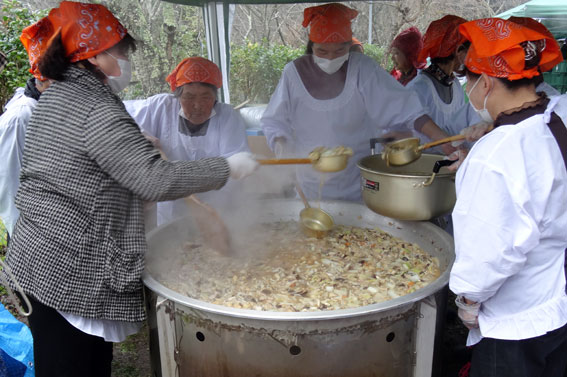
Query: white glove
(242, 164)
(459, 155)
(468, 313)
(476, 131)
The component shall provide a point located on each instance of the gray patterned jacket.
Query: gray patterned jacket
(79, 243)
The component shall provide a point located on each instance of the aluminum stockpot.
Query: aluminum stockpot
(395, 338)
(399, 191)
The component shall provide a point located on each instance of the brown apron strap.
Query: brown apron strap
(559, 131)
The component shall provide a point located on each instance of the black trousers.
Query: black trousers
(61, 350)
(543, 356)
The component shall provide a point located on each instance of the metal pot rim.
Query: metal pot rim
(420, 176)
(384, 306)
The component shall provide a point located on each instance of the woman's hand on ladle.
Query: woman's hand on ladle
(459, 155)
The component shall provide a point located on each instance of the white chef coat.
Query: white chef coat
(13, 124)
(509, 223)
(561, 107)
(450, 117)
(371, 103)
(547, 89)
(159, 116)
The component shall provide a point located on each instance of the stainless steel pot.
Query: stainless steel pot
(395, 338)
(404, 192)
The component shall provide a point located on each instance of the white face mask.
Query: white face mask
(118, 83)
(482, 113)
(330, 66)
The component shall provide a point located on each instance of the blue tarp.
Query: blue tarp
(16, 347)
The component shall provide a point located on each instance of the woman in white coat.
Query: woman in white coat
(331, 97)
(511, 211)
(190, 124)
(439, 91)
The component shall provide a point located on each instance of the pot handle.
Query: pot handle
(438, 165)
(382, 140)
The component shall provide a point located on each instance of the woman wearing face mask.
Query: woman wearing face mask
(329, 97)
(511, 211)
(78, 246)
(438, 89)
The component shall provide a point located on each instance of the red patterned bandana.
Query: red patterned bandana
(86, 29)
(442, 38)
(501, 48)
(329, 23)
(35, 39)
(195, 69)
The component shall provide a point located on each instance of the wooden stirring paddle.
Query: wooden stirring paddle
(211, 226)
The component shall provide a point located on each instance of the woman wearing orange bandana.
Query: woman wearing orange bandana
(438, 89)
(330, 97)
(191, 124)
(511, 211)
(78, 247)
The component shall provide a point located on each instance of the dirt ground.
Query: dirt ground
(131, 358)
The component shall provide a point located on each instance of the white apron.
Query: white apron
(371, 103)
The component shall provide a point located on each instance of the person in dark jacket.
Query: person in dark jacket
(78, 246)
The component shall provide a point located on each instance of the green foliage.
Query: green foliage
(379, 54)
(166, 34)
(15, 17)
(255, 70)
(3, 236)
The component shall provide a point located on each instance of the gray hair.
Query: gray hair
(179, 90)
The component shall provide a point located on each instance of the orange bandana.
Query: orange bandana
(530, 23)
(500, 48)
(35, 39)
(410, 43)
(195, 69)
(329, 23)
(86, 29)
(442, 38)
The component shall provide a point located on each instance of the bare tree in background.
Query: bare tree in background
(281, 23)
(170, 32)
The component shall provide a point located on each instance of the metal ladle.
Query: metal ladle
(404, 151)
(314, 222)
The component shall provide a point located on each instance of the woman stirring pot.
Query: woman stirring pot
(78, 246)
(330, 97)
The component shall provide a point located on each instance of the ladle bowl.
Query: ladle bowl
(314, 221)
(404, 151)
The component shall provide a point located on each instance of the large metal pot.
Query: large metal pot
(395, 338)
(406, 192)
